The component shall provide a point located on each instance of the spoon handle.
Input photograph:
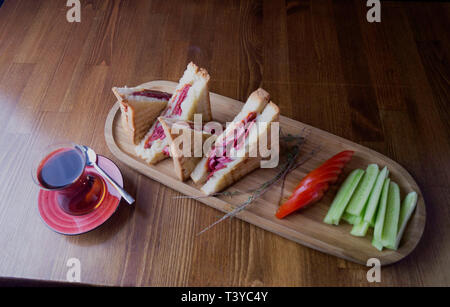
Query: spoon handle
(129, 199)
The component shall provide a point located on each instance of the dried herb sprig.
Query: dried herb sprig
(298, 139)
(225, 193)
(286, 168)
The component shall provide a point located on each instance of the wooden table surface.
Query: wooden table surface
(383, 85)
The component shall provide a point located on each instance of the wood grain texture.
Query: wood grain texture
(382, 85)
(306, 228)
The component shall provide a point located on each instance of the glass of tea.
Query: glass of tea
(62, 169)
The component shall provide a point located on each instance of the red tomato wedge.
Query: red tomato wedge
(301, 200)
(315, 184)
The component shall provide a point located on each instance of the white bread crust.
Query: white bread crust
(239, 167)
(255, 103)
(197, 101)
(137, 113)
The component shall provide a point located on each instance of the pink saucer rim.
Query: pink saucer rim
(103, 222)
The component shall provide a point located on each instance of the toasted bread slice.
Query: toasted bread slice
(240, 165)
(191, 97)
(139, 109)
(185, 144)
(255, 103)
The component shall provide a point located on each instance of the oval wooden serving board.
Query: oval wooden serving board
(306, 226)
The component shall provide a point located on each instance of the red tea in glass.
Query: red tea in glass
(78, 190)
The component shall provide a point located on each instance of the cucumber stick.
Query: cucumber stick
(351, 219)
(361, 195)
(408, 206)
(390, 226)
(374, 198)
(381, 214)
(360, 230)
(377, 244)
(360, 226)
(343, 197)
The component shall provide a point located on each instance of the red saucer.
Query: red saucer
(67, 224)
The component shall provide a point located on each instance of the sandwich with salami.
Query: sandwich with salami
(140, 107)
(191, 97)
(186, 140)
(235, 152)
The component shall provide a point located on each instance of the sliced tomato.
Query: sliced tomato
(328, 168)
(327, 177)
(315, 184)
(340, 159)
(332, 166)
(312, 181)
(302, 200)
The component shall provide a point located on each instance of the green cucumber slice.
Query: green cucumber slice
(390, 227)
(343, 197)
(407, 209)
(360, 230)
(374, 198)
(381, 214)
(351, 219)
(359, 198)
(377, 244)
(360, 226)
